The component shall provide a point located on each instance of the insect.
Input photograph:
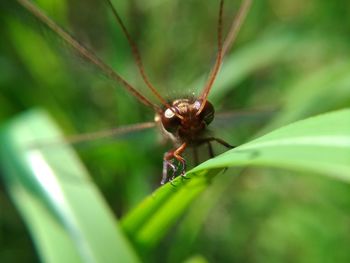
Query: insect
(184, 120)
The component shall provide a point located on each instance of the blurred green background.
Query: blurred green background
(290, 55)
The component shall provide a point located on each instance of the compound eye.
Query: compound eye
(170, 121)
(207, 113)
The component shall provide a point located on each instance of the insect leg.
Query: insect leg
(195, 155)
(177, 156)
(210, 150)
(220, 141)
(167, 163)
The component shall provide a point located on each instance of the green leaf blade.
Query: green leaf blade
(318, 144)
(60, 205)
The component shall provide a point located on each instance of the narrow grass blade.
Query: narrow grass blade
(67, 217)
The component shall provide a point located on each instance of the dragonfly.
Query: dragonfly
(184, 121)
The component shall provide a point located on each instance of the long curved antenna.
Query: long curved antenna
(222, 49)
(218, 61)
(236, 26)
(75, 139)
(138, 60)
(136, 55)
(85, 53)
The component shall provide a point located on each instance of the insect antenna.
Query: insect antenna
(136, 54)
(223, 48)
(137, 58)
(236, 26)
(76, 139)
(85, 53)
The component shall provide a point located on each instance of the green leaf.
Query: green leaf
(329, 85)
(319, 144)
(66, 215)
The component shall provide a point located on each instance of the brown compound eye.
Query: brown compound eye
(207, 114)
(170, 121)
